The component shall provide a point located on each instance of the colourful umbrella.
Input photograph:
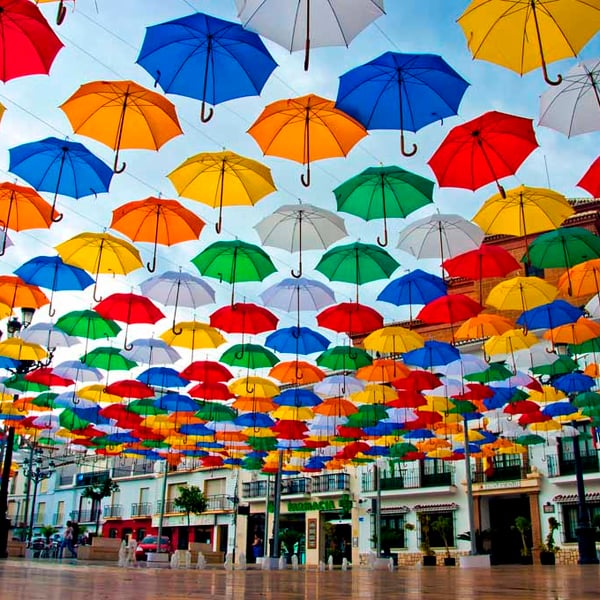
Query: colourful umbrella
(546, 316)
(483, 150)
(14, 292)
(251, 356)
(151, 352)
(244, 318)
(357, 263)
(523, 37)
(297, 340)
(234, 261)
(582, 279)
(351, 318)
(222, 179)
(306, 129)
(122, 114)
(296, 372)
(157, 221)
(521, 293)
(107, 358)
(393, 340)
(382, 192)
(28, 45)
(207, 371)
(401, 91)
(193, 335)
(297, 227)
(449, 309)
(344, 358)
(203, 57)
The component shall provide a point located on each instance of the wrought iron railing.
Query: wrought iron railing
(141, 509)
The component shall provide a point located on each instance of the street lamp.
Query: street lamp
(13, 328)
(35, 471)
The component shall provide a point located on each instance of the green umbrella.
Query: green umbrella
(357, 263)
(262, 444)
(234, 261)
(87, 324)
(368, 415)
(44, 400)
(530, 439)
(586, 347)
(344, 358)
(252, 464)
(564, 248)
(145, 407)
(251, 356)
(401, 448)
(497, 371)
(587, 400)
(17, 382)
(107, 358)
(214, 411)
(69, 420)
(382, 193)
(462, 407)
(564, 364)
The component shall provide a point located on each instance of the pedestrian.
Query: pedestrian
(257, 547)
(68, 541)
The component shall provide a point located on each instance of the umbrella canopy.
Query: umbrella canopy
(432, 354)
(485, 261)
(572, 106)
(582, 330)
(17, 349)
(88, 324)
(151, 352)
(401, 91)
(108, 358)
(244, 318)
(14, 292)
(234, 261)
(521, 293)
(296, 372)
(582, 279)
(300, 25)
(344, 358)
(251, 356)
(157, 221)
(60, 167)
(393, 340)
(22, 208)
(590, 180)
(382, 192)
(298, 294)
(350, 317)
(48, 336)
(449, 309)
(192, 335)
(203, 57)
(357, 263)
(298, 227)
(52, 273)
(122, 114)
(306, 129)
(547, 316)
(221, 179)
(485, 149)
(524, 36)
(100, 253)
(28, 45)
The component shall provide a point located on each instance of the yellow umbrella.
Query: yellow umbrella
(437, 404)
(509, 342)
(293, 413)
(439, 453)
(374, 393)
(100, 253)
(483, 326)
(548, 394)
(122, 114)
(393, 340)
(524, 35)
(17, 349)
(97, 393)
(221, 179)
(573, 333)
(582, 279)
(260, 386)
(521, 293)
(473, 436)
(192, 335)
(551, 425)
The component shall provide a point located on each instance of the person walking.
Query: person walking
(68, 541)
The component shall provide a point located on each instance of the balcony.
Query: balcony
(86, 516)
(112, 512)
(334, 482)
(564, 464)
(213, 503)
(508, 470)
(295, 485)
(254, 489)
(439, 475)
(141, 509)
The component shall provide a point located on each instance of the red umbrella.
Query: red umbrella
(351, 318)
(474, 391)
(408, 399)
(243, 317)
(352, 449)
(449, 309)
(130, 388)
(129, 308)
(350, 432)
(290, 430)
(533, 417)
(46, 377)
(417, 380)
(591, 180)
(483, 150)
(521, 407)
(206, 370)
(28, 45)
(211, 390)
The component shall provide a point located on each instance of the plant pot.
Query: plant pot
(429, 561)
(547, 558)
(449, 561)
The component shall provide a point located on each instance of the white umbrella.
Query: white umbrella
(467, 364)
(337, 386)
(48, 336)
(300, 24)
(298, 227)
(573, 106)
(593, 306)
(77, 371)
(440, 236)
(152, 352)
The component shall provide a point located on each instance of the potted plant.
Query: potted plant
(429, 558)
(47, 532)
(443, 526)
(523, 526)
(549, 549)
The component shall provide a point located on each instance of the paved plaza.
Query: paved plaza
(46, 580)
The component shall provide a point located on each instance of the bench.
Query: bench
(102, 548)
(212, 557)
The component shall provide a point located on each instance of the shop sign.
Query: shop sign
(344, 503)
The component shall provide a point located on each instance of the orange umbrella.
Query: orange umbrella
(22, 208)
(582, 279)
(335, 407)
(158, 221)
(383, 370)
(305, 129)
(122, 114)
(574, 333)
(15, 292)
(296, 372)
(482, 326)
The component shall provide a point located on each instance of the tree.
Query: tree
(443, 526)
(47, 532)
(192, 500)
(96, 492)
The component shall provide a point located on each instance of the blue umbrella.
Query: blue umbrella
(52, 273)
(401, 91)
(416, 287)
(574, 383)
(547, 316)
(254, 419)
(162, 377)
(199, 429)
(432, 354)
(60, 167)
(297, 397)
(206, 58)
(174, 402)
(559, 409)
(297, 340)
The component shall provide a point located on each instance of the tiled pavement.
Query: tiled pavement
(69, 580)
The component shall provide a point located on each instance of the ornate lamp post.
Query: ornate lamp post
(35, 472)
(13, 328)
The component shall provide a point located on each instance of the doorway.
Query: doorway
(505, 538)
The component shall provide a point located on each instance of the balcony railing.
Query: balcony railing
(510, 469)
(296, 485)
(141, 509)
(112, 512)
(85, 516)
(409, 479)
(565, 464)
(214, 502)
(334, 482)
(254, 489)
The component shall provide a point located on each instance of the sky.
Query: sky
(102, 40)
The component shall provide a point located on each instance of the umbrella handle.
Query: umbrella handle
(547, 79)
(299, 374)
(305, 177)
(501, 190)
(250, 390)
(383, 242)
(218, 226)
(403, 149)
(239, 355)
(3, 228)
(205, 117)
(94, 292)
(151, 266)
(116, 168)
(127, 346)
(297, 274)
(176, 331)
(61, 13)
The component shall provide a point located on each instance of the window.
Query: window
(60, 512)
(41, 513)
(215, 487)
(570, 517)
(434, 527)
(392, 532)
